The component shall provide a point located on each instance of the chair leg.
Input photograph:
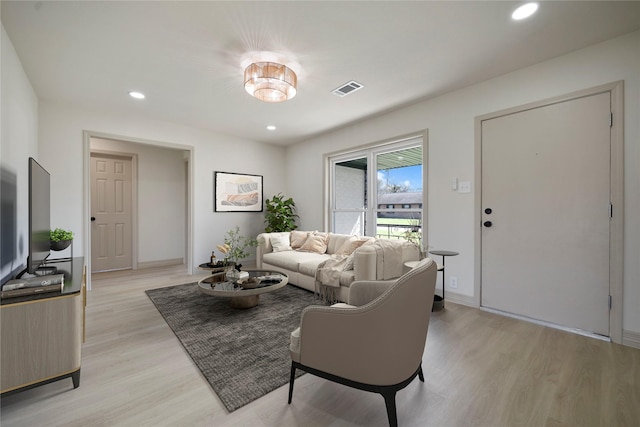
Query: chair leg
(291, 380)
(390, 401)
(420, 374)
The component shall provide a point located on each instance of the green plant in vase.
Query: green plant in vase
(236, 247)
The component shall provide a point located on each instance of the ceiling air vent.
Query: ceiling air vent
(347, 88)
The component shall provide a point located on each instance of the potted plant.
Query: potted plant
(280, 214)
(413, 234)
(235, 248)
(60, 239)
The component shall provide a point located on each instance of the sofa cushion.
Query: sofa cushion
(265, 240)
(280, 243)
(316, 242)
(337, 241)
(298, 238)
(355, 244)
(292, 259)
(310, 267)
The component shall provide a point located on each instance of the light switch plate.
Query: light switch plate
(464, 187)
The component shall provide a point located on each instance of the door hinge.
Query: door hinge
(610, 120)
(610, 210)
(609, 302)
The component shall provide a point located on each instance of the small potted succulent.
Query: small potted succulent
(60, 239)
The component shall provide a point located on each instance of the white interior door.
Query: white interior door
(111, 213)
(546, 183)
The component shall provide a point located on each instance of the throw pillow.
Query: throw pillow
(348, 265)
(345, 248)
(357, 243)
(315, 243)
(298, 238)
(280, 243)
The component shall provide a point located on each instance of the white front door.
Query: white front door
(111, 212)
(545, 213)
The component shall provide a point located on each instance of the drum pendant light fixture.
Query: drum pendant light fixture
(270, 81)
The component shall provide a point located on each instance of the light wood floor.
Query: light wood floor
(481, 369)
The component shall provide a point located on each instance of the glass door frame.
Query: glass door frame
(370, 153)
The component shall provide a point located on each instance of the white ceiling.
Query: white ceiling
(185, 56)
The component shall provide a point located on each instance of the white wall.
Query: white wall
(162, 197)
(450, 121)
(61, 142)
(19, 124)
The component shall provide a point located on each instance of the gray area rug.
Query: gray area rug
(243, 354)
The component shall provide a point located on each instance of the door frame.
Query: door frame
(616, 239)
(86, 190)
(134, 201)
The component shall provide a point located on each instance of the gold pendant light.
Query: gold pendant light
(270, 81)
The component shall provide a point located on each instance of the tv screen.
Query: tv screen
(39, 215)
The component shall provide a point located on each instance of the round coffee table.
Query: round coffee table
(267, 281)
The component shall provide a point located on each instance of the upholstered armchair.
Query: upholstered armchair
(373, 343)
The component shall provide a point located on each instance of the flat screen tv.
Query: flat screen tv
(39, 216)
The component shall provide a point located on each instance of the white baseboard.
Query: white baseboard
(457, 298)
(547, 324)
(160, 263)
(631, 339)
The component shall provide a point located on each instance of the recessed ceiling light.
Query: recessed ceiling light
(271, 127)
(524, 11)
(136, 95)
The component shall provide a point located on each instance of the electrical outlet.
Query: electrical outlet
(453, 282)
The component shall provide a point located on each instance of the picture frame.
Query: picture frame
(237, 192)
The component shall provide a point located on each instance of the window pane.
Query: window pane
(349, 223)
(400, 171)
(383, 183)
(399, 185)
(351, 184)
(400, 225)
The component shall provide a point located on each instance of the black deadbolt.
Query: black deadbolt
(488, 211)
(487, 224)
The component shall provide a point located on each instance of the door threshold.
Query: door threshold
(548, 324)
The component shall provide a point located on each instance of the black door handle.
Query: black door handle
(487, 224)
(93, 218)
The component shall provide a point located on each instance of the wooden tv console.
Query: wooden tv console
(42, 334)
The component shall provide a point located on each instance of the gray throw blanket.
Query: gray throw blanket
(328, 277)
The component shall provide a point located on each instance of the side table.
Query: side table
(443, 254)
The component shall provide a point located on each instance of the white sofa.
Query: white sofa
(301, 265)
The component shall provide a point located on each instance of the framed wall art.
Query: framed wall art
(236, 192)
